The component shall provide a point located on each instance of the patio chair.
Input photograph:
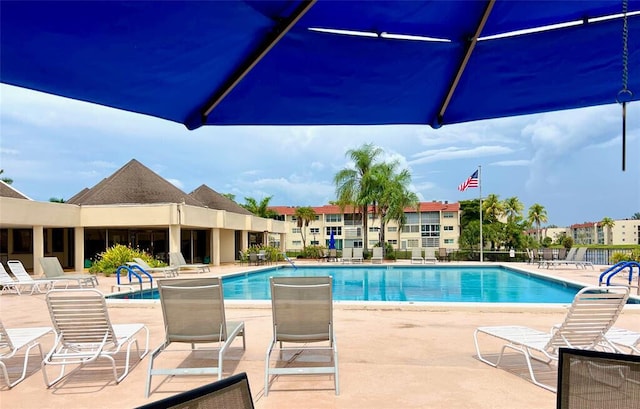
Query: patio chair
(347, 255)
(358, 255)
(193, 311)
(53, 271)
(24, 279)
(442, 254)
(12, 340)
(84, 333)
(568, 259)
(592, 313)
(333, 255)
(242, 257)
(177, 260)
(9, 285)
(580, 259)
(167, 271)
(228, 393)
(430, 255)
(596, 379)
(624, 340)
(377, 255)
(302, 311)
(416, 256)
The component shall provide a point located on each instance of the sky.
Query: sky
(570, 162)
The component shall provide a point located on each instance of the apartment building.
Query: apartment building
(433, 224)
(624, 231)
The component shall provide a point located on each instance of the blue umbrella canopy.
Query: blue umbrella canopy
(324, 62)
(332, 241)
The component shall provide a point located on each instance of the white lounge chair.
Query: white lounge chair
(430, 255)
(24, 279)
(167, 272)
(193, 311)
(9, 285)
(377, 257)
(593, 312)
(302, 310)
(569, 259)
(177, 260)
(625, 341)
(84, 333)
(358, 255)
(347, 255)
(580, 259)
(416, 256)
(53, 271)
(12, 340)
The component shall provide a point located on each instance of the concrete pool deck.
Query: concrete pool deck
(391, 355)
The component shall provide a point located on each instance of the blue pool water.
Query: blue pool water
(406, 283)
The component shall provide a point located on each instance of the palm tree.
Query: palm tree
(230, 196)
(636, 216)
(304, 216)
(391, 195)
(537, 216)
(493, 208)
(56, 200)
(259, 209)
(8, 181)
(608, 223)
(513, 208)
(354, 184)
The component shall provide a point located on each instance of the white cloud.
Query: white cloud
(444, 154)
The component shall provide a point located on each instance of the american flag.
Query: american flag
(472, 181)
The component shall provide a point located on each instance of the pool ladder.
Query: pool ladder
(133, 274)
(608, 274)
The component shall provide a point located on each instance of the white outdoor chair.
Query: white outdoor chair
(377, 255)
(593, 312)
(430, 255)
(24, 279)
(13, 340)
(177, 260)
(416, 256)
(53, 271)
(84, 333)
(358, 255)
(9, 285)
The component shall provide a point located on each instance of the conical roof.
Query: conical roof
(214, 200)
(6, 190)
(133, 183)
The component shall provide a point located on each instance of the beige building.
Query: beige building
(135, 207)
(624, 232)
(434, 224)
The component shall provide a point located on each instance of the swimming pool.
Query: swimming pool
(494, 284)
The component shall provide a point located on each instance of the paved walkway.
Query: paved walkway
(410, 356)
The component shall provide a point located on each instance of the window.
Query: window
(412, 218)
(430, 242)
(447, 228)
(392, 229)
(448, 241)
(315, 243)
(430, 230)
(356, 244)
(297, 243)
(411, 229)
(332, 218)
(314, 230)
(352, 219)
(337, 230)
(430, 217)
(392, 242)
(295, 230)
(449, 215)
(412, 243)
(22, 241)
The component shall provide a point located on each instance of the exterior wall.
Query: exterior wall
(412, 235)
(38, 217)
(626, 232)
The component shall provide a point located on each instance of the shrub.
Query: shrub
(567, 242)
(118, 255)
(619, 256)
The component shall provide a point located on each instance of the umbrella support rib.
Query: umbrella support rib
(472, 44)
(279, 31)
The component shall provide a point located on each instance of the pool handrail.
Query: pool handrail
(130, 273)
(616, 268)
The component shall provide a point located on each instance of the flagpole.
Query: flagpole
(480, 190)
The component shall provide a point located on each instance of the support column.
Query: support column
(215, 247)
(174, 238)
(78, 248)
(244, 240)
(38, 249)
